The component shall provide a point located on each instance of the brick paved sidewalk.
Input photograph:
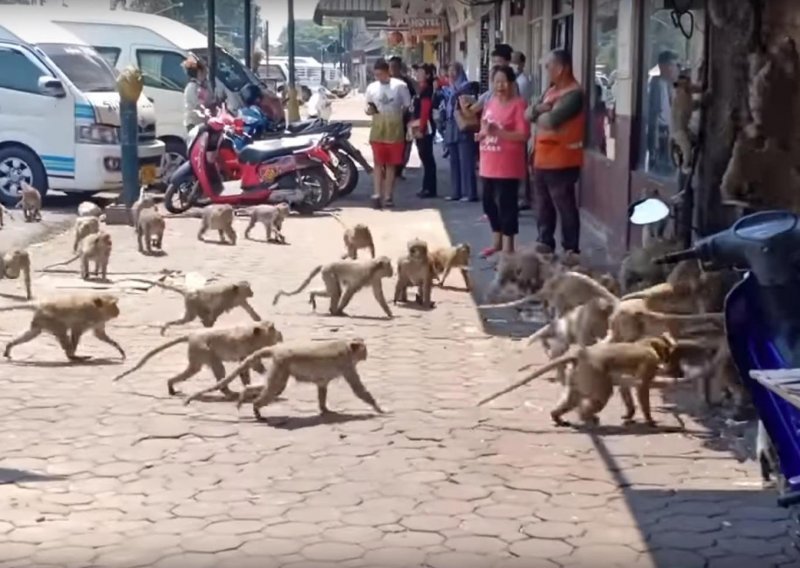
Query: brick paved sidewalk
(122, 475)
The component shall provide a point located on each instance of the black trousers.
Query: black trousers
(501, 205)
(555, 198)
(425, 150)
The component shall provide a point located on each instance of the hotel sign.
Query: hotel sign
(431, 25)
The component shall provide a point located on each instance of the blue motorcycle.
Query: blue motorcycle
(762, 324)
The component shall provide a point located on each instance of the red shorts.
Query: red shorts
(388, 153)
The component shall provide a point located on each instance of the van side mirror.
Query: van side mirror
(647, 211)
(52, 87)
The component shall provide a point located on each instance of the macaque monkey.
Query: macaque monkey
(681, 111)
(688, 290)
(30, 202)
(415, 269)
(85, 226)
(95, 248)
(218, 218)
(210, 348)
(16, 262)
(638, 268)
(67, 319)
(521, 273)
(209, 302)
(597, 368)
(356, 237)
(317, 362)
(150, 227)
(3, 213)
(145, 201)
(343, 279)
(89, 209)
(271, 216)
(447, 258)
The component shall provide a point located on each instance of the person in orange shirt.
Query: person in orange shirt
(558, 154)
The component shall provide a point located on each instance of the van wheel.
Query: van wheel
(174, 157)
(18, 165)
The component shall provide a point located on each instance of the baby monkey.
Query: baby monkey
(316, 362)
(95, 248)
(67, 319)
(30, 202)
(356, 237)
(447, 258)
(16, 262)
(209, 302)
(85, 226)
(210, 348)
(150, 227)
(271, 216)
(415, 269)
(218, 218)
(343, 279)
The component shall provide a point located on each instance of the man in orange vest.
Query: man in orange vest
(558, 154)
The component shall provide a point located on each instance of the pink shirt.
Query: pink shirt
(501, 158)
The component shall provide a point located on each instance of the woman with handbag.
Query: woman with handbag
(459, 135)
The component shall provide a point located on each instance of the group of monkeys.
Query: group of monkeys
(609, 340)
(68, 318)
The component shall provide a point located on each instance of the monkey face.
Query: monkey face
(108, 306)
(358, 349)
(418, 250)
(243, 289)
(269, 332)
(385, 269)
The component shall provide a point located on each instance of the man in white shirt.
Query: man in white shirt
(388, 99)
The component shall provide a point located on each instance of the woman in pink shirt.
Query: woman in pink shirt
(503, 137)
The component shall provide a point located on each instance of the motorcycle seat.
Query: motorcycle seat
(261, 152)
(302, 125)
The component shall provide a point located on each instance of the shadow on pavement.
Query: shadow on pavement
(12, 475)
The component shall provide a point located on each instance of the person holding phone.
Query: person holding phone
(388, 100)
(503, 136)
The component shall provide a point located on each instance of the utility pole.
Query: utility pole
(248, 34)
(341, 50)
(293, 109)
(266, 44)
(212, 46)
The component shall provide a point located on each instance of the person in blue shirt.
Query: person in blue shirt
(256, 122)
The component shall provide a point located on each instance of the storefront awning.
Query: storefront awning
(370, 10)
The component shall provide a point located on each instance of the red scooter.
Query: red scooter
(291, 170)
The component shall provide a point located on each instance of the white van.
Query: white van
(59, 114)
(158, 46)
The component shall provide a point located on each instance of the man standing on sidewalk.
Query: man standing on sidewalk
(558, 154)
(525, 88)
(397, 72)
(387, 102)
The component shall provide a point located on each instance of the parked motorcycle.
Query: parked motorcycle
(762, 323)
(280, 171)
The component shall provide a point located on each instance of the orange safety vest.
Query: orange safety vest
(563, 147)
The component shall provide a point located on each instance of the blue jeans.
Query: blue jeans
(463, 157)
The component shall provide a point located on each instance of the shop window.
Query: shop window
(561, 36)
(667, 53)
(602, 100)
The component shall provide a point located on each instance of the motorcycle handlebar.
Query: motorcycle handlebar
(675, 257)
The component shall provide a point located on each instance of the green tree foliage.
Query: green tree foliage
(310, 39)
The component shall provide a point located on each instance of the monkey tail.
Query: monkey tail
(65, 263)
(589, 281)
(512, 304)
(163, 285)
(540, 333)
(151, 354)
(554, 364)
(339, 220)
(658, 289)
(265, 352)
(31, 307)
(302, 287)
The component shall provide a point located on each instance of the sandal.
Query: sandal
(488, 252)
(389, 203)
(376, 203)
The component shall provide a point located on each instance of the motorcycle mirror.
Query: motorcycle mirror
(647, 211)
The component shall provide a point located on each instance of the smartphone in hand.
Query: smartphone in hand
(371, 108)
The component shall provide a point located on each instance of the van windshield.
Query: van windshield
(83, 66)
(230, 71)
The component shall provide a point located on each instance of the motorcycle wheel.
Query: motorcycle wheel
(346, 174)
(321, 190)
(179, 198)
